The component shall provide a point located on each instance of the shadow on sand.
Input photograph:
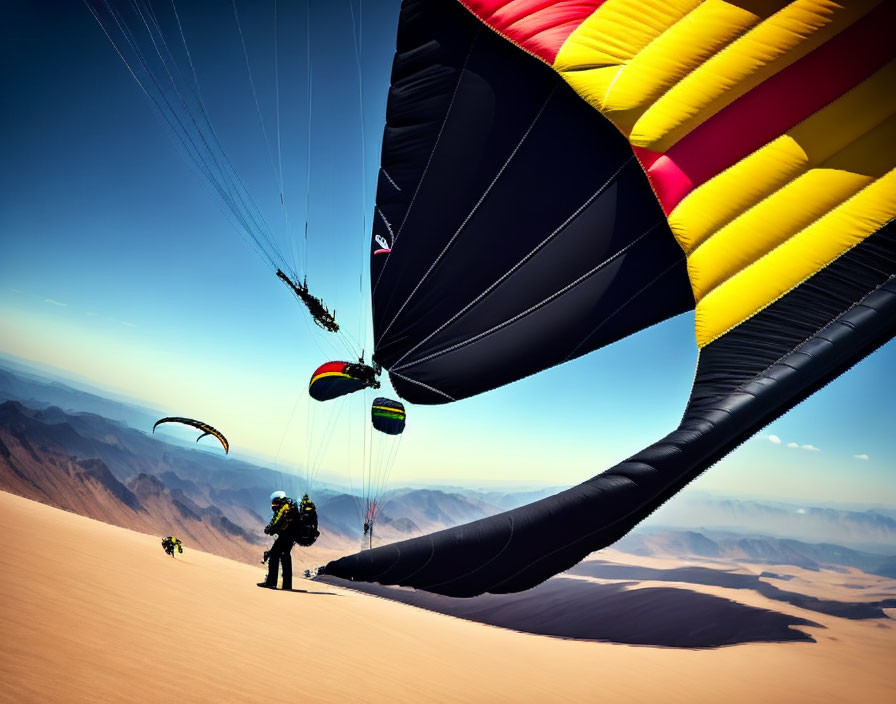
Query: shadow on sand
(574, 608)
(735, 580)
(306, 591)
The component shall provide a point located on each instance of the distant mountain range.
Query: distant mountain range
(753, 548)
(103, 469)
(872, 530)
(94, 464)
(35, 391)
(41, 461)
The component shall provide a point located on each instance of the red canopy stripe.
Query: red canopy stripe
(773, 107)
(537, 26)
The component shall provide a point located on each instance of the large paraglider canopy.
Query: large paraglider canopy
(556, 175)
(521, 231)
(199, 425)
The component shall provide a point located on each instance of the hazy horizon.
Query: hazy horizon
(185, 439)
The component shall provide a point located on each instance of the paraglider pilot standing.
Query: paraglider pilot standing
(285, 525)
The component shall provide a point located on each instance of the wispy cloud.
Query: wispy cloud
(775, 440)
(127, 324)
(863, 456)
(54, 302)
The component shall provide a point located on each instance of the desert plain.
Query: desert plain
(91, 612)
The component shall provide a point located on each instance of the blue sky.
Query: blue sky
(119, 266)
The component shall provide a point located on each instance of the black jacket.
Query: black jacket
(285, 520)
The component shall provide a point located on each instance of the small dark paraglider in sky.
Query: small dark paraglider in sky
(199, 425)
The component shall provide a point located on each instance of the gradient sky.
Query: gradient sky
(118, 265)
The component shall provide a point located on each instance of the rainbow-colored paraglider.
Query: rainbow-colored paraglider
(334, 379)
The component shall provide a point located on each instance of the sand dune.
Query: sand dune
(94, 613)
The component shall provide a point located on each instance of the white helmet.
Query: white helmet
(278, 496)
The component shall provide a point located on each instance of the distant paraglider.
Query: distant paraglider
(204, 427)
(335, 379)
(369, 519)
(387, 416)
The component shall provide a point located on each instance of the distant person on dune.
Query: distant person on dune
(172, 542)
(285, 525)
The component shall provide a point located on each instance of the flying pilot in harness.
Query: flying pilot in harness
(319, 313)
